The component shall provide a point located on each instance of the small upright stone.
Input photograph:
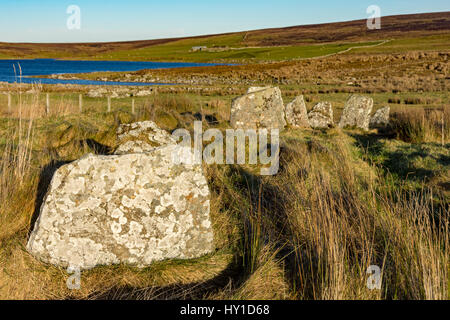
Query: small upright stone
(141, 137)
(259, 109)
(296, 113)
(357, 112)
(380, 119)
(321, 116)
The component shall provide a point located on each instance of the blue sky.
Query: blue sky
(115, 20)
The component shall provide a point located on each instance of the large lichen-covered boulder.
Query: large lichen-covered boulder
(321, 116)
(357, 112)
(260, 109)
(141, 137)
(132, 209)
(380, 119)
(297, 114)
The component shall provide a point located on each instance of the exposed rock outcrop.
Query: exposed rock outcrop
(114, 92)
(97, 93)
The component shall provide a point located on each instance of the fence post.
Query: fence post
(9, 102)
(47, 104)
(109, 104)
(132, 106)
(80, 102)
(443, 127)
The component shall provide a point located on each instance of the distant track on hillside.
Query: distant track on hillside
(344, 51)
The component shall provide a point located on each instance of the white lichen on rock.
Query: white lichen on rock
(133, 209)
(321, 116)
(260, 108)
(297, 114)
(357, 112)
(141, 137)
(380, 119)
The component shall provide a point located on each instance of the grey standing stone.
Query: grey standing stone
(321, 116)
(380, 119)
(133, 209)
(357, 112)
(296, 113)
(259, 109)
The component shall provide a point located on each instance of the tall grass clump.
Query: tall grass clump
(178, 103)
(418, 125)
(417, 246)
(337, 219)
(16, 174)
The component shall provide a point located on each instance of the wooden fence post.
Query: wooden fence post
(443, 127)
(109, 104)
(9, 102)
(47, 104)
(132, 106)
(80, 102)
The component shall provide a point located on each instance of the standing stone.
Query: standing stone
(260, 109)
(296, 113)
(142, 137)
(132, 209)
(321, 116)
(380, 119)
(357, 112)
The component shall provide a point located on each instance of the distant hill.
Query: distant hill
(392, 26)
(400, 26)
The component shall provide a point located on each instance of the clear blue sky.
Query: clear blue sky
(114, 20)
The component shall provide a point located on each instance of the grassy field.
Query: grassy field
(372, 199)
(435, 42)
(181, 51)
(256, 45)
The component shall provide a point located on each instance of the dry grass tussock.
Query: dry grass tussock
(418, 125)
(341, 222)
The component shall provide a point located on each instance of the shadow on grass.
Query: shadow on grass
(96, 147)
(47, 173)
(45, 179)
(230, 279)
(261, 223)
(402, 161)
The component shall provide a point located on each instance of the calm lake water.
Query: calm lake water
(10, 70)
